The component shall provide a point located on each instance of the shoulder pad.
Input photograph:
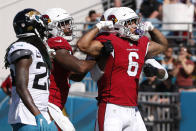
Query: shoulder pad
(19, 54)
(58, 43)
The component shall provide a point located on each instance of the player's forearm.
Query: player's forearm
(27, 100)
(152, 67)
(158, 37)
(76, 77)
(22, 78)
(87, 65)
(84, 43)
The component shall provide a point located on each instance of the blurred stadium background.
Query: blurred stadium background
(162, 110)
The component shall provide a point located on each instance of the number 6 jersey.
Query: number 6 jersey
(37, 84)
(119, 84)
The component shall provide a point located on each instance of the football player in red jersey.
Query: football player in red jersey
(63, 63)
(7, 85)
(118, 86)
(151, 67)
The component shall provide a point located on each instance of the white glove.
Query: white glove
(51, 51)
(105, 24)
(148, 26)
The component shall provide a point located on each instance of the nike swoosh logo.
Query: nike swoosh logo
(58, 41)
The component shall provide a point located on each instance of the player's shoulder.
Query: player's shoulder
(19, 50)
(105, 36)
(144, 38)
(21, 46)
(143, 41)
(57, 39)
(58, 43)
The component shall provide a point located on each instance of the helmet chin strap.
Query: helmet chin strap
(44, 41)
(25, 35)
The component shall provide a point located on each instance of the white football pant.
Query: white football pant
(113, 117)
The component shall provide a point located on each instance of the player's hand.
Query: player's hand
(105, 24)
(52, 126)
(51, 52)
(148, 26)
(107, 48)
(42, 123)
(150, 70)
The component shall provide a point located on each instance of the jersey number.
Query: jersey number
(133, 66)
(39, 76)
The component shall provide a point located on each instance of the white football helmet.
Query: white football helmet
(61, 23)
(107, 13)
(121, 17)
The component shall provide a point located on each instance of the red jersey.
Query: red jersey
(119, 84)
(7, 83)
(59, 82)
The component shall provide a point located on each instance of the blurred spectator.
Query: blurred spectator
(166, 86)
(183, 70)
(150, 11)
(168, 60)
(92, 19)
(117, 3)
(7, 85)
(170, 1)
(149, 84)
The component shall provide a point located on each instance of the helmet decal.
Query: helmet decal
(29, 22)
(32, 13)
(112, 18)
(60, 24)
(124, 25)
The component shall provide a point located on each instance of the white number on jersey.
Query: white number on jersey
(133, 64)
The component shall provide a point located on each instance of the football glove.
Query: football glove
(52, 126)
(148, 26)
(42, 123)
(105, 24)
(107, 48)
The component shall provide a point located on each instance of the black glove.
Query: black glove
(150, 70)
(107, 48)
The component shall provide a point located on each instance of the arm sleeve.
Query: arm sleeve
(157, 65)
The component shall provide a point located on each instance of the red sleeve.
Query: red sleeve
(7, 83)
(59, 43)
